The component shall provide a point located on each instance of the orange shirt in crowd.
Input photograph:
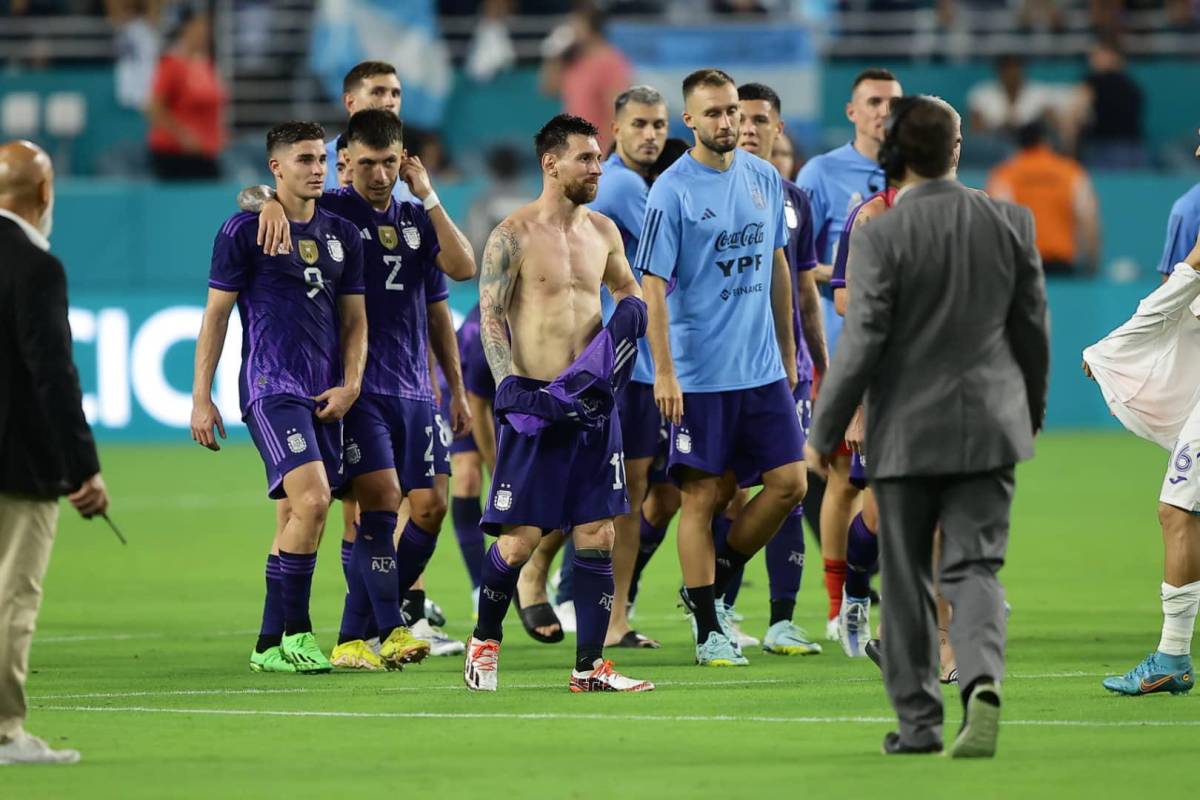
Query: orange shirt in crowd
(192, 92)
(591, 83)
(1051, 187)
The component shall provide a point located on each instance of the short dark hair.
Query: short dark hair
(374, 127)
(289, 133)
(342, 144)
(1031, 134)
(367, 69)
(873, 74)
(926, 137)
(709, 76)
(760, 91)
(554, 134)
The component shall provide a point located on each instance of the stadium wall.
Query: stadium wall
(137, 261)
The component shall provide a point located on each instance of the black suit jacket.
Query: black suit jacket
(46, 446)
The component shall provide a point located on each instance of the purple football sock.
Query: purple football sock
(785, 566)
(862, 552)
(412, 554)
(297, 574)
(271, 631)
(593, 604)
(375, 561)
(648, 543)
(466, 513)
(495, 594)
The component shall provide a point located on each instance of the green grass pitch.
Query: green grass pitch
(141, 651)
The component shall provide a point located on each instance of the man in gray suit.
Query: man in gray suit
(946, 336)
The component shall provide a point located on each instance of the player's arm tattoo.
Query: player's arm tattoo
(253, 198)
(497, 280)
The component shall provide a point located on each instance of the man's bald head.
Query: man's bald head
(27, 182)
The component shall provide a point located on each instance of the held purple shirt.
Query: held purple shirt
(801, 252)
(402, 277)
(288, 303)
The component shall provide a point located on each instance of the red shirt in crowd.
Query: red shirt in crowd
(591, 83)
(192, 93)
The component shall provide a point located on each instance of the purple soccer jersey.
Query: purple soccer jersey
(801, 252)
(838, 281)
(402, 277)
(288, 303)
(468, 336)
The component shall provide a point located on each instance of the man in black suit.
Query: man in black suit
(46, 446)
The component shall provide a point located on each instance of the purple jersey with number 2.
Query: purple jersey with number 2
(402, 277)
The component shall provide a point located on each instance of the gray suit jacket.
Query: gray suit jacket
(946, 335)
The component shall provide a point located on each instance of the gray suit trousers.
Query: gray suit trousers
(973, 511)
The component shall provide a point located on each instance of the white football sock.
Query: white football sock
(1179, 604)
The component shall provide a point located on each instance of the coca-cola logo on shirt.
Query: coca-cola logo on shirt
(748, 236)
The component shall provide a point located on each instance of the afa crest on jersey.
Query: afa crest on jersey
(387, 236)
(308, 251)
(412, 237)
(756, 196)
(335, 249)
(353, 453)
(683, 442)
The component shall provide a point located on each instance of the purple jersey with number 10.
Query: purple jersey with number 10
(288, 303)
(402, 277)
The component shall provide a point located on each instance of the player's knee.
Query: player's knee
(311, 506)
(600, 538)
(1174, 520)
(430, 512)
(516, 550)
(467, 480)
(790, 485)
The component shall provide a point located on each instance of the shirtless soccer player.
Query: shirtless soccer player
(724, 351)
(540, 281)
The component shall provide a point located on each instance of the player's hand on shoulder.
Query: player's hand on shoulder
(205, 417)
(274, 233)
(91, 498)
(332, 404)
(413, 172)
(668, 396)
(460, 415)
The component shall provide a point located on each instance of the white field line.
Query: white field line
(799, 681)
(543, 716)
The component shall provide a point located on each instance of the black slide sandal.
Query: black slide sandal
(539, 615)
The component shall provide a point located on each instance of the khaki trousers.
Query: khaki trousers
(26, 535)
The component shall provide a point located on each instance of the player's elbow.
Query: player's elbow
(460, 267)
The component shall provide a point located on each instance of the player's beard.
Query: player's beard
(720, 147)
(580, 193)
